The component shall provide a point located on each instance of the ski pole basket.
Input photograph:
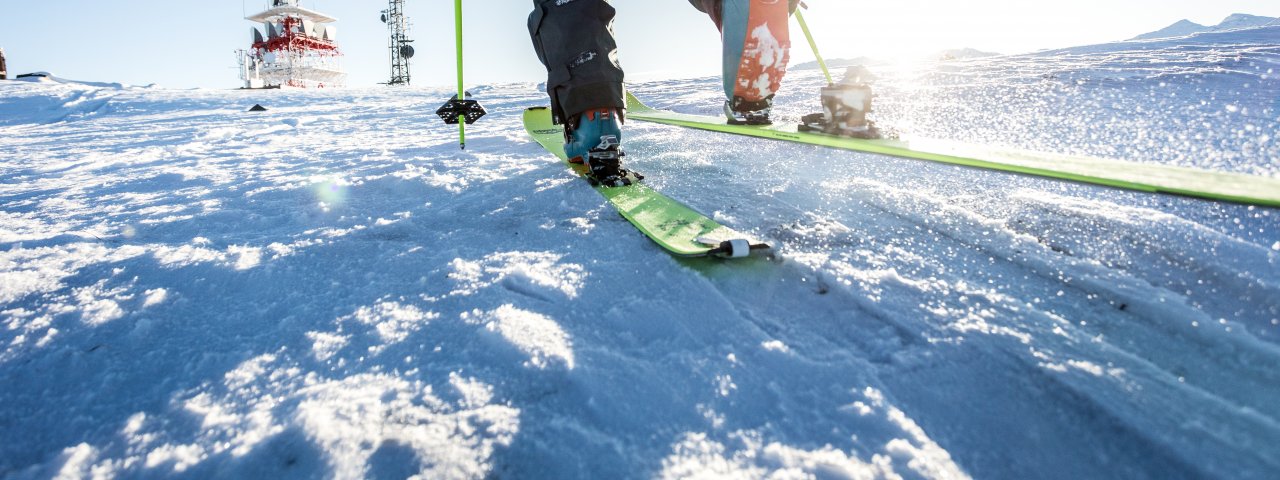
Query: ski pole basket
(460, 110)
(456, 110)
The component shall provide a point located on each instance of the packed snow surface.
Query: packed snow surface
(332, 288)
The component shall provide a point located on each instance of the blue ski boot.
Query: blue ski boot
(596, 140)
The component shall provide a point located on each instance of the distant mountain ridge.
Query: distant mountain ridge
(943, 55)
(835, 63)
(963, 54)
(1186, 27)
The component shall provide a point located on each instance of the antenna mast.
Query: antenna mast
(401, 50)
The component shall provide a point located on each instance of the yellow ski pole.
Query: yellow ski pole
(812, 44)
(457, 29)
(460, 109)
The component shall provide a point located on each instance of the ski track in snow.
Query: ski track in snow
(332, 289)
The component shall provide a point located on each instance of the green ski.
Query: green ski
(1212, 185)
(679, 229)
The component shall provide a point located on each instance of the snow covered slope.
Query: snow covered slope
(332, 289)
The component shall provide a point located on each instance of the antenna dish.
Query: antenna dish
(271, 31)
(406, 51)
(257, 35)
(384, 17)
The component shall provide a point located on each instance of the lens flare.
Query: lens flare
(331, 192)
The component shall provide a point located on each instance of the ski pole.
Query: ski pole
(812, 44)
(460, 109)
(462, 94)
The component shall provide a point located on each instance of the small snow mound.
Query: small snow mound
(393, 322)
(325, 345)
(78, 462)
(49, 78)
(346, 420)
(907, 452)
(539, 337)
(35, 77)
(697, 456)
(775, 346)
(155, 297)
(533, 274)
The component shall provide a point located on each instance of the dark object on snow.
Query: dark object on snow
(4, 72)
(258, 108)
(33, 75)
(469, 109)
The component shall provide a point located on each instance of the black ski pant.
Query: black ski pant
(574, 40)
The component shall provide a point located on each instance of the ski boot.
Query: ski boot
(595, 141)
(740, 111)
(845, 106)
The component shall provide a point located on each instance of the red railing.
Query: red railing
(291, 40)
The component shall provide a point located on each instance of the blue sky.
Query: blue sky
(189, 43)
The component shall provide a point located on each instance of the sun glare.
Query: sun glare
(864, 29)
(915, 28)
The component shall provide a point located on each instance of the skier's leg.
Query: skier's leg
(574, 40)
(757, 46)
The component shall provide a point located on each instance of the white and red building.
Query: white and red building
(294, 47)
